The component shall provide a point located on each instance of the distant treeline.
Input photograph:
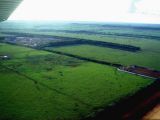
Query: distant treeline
(103, 33)
(96, 43)
(75, 41)
(127, 26)
(137, 26)
(2, 38)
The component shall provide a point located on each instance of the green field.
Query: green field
(145, 58)
(41, 85)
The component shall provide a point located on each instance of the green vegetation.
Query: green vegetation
(146, 57)
(41, 85)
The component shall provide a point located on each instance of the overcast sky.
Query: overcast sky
(139, 11)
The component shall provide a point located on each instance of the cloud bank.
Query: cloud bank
(139, 11)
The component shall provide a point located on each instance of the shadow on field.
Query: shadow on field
(134, 107)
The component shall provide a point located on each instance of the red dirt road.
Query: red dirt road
(154, 114)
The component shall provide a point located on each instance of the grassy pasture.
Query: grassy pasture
(40, 85)
(143, 58)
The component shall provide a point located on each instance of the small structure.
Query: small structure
(142, 71)
(4, 57)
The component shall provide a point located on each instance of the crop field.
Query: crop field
(142, 58)
(38, 83)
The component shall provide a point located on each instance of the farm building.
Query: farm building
(142, 71)
(4, 57)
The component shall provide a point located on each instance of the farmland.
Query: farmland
(142, 58)
(39, 83)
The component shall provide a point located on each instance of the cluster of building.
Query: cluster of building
(142, 71)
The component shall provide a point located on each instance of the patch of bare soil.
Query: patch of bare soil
(154, 114)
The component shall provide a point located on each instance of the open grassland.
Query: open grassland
(98, 37)
(41, 85)
(119, 32)
(145, 58)
(148, 56)
(22, 99)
